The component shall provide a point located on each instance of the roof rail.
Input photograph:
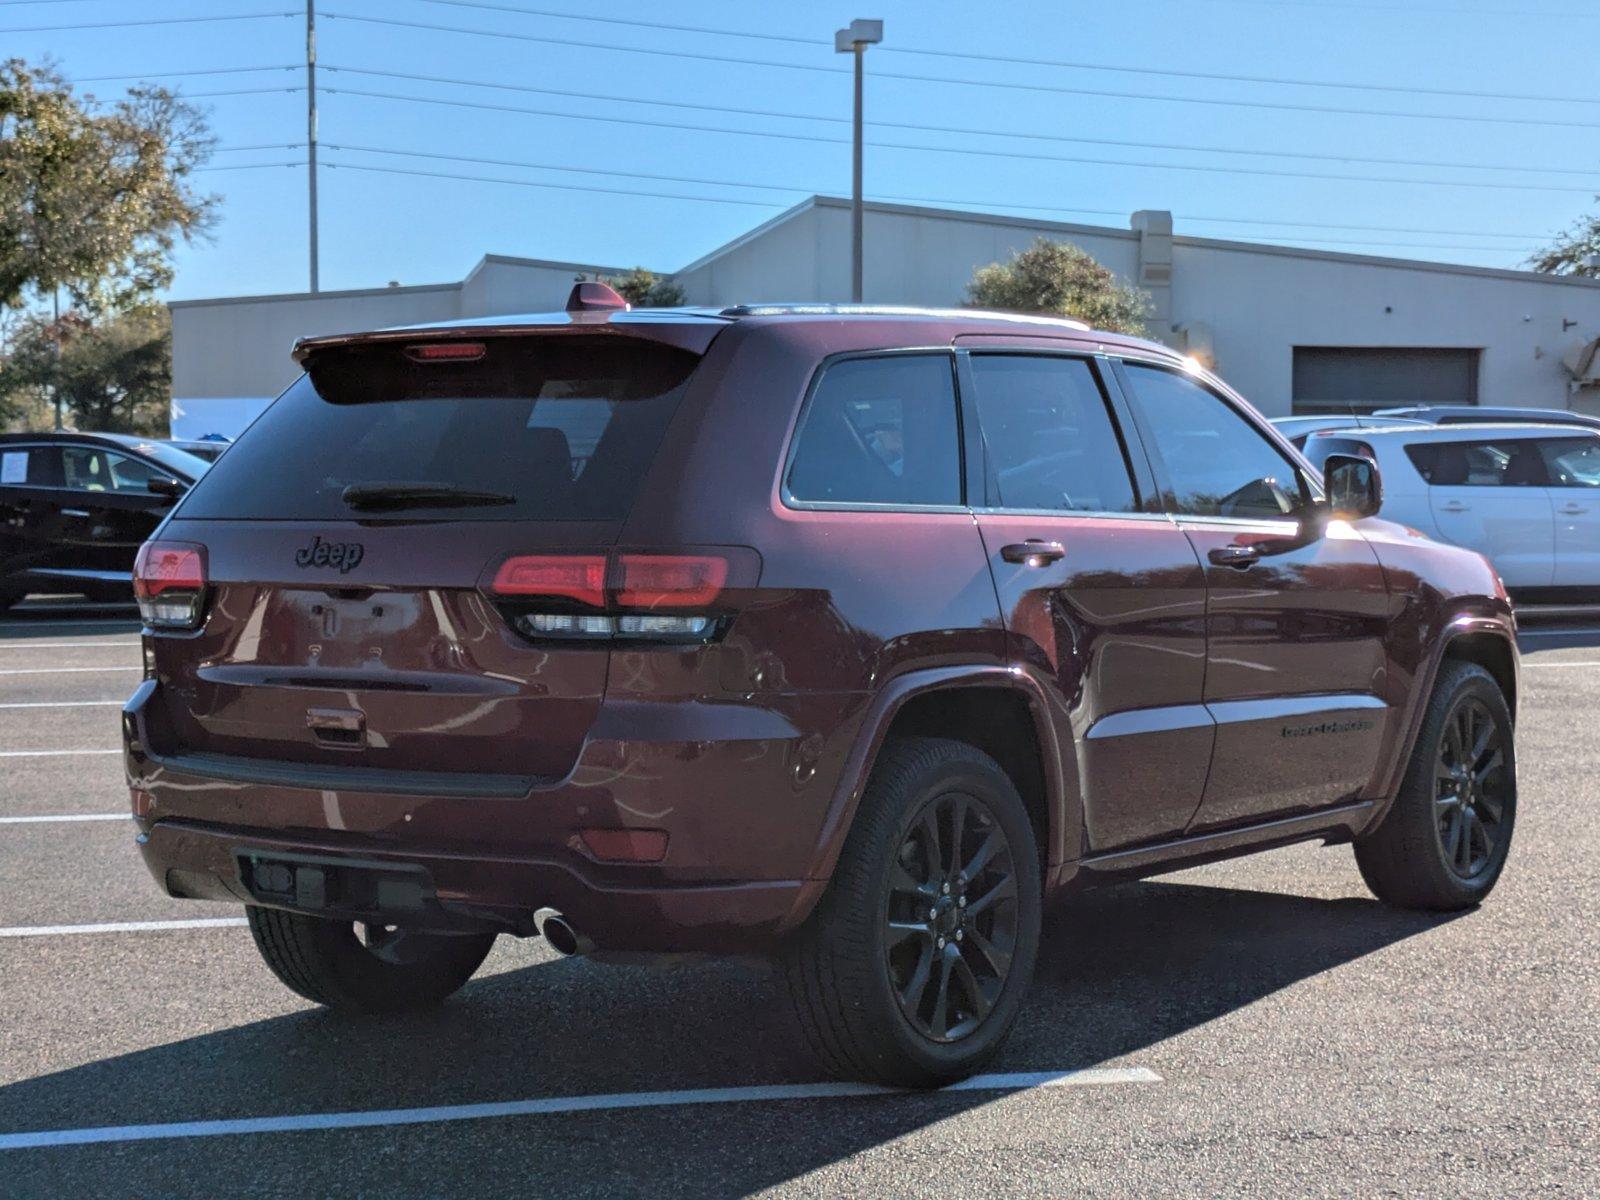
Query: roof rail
(824, 309)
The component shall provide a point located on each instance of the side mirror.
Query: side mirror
(162, 486)
(1353, 485)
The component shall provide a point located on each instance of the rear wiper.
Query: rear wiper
(419, 495)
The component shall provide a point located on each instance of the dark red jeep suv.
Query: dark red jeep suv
(853, 635)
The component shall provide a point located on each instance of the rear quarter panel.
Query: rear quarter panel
(848, 601)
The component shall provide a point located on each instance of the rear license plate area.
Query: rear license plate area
(336, 886)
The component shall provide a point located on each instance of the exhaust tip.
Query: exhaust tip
(558, 931)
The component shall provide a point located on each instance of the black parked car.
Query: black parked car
(74, 508)
(208, 448)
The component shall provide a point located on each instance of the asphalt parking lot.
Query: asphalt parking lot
(1258, 1027)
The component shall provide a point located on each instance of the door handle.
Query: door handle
(74, 512)
(1453, 506)
(1033, 552)
(1237, 556)
(1574, 510)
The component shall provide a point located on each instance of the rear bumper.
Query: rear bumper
(462, 892)
(739, 789)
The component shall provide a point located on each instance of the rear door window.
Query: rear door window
(1572, 462)
(1049, 442)
(880, 431)
(30, 466)
(564, 425)
(1507, 463)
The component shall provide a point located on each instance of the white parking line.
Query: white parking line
(77, 606)
(51, 753)
(69, 670)
(28, 645)
(72, 622)
(63, 703)
(1021, 1081)
(1530, 666)
(22, 931)
(64, 817)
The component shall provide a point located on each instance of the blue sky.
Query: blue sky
(1518, 169)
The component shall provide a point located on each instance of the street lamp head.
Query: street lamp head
(860, 33)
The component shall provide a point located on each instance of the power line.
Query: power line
(455, 177)
(1391, 10)
(563, 187)
(267, 91)
(299, 162)
(167, 74)
(540, 12)
(1032, 62)
(151, 21)
(987, 133)
(1014, 155)
(988, 83)
(771, 187)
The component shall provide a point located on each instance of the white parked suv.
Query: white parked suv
(1527, 496)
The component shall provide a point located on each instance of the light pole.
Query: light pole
(855, 40)
(311, 136)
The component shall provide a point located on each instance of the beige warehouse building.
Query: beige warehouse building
(1295, 330)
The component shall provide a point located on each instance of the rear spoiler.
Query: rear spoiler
(692, 331)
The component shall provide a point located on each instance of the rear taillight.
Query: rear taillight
(628, 597)
(169, 582)
(669, 580)
(580, 577)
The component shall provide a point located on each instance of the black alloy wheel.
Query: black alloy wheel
(1471, 784)
(952, 918)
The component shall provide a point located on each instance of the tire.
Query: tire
(324, 961)
(848, 962)
(1415, 858)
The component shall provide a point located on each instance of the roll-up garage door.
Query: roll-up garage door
(1342, 379)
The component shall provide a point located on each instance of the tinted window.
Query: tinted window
(170, 459)
(1510, 463)
(85, 469)
(90, 469)
(130, 474)
(565, 425)
(1218, 463)
(1048, 438)
(1572, 462)
(30, 466)
(880, 431)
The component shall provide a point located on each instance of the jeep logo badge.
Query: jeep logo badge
(343, 555)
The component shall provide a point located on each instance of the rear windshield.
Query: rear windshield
(564, 425)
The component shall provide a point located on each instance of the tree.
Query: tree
(114, 373)
(646, 289)
(1061, 280)
(1575, 252)
(94, 198)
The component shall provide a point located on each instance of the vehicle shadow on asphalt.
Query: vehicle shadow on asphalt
(1124, 969)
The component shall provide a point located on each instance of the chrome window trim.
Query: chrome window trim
(1069, 514)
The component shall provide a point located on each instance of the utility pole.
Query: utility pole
(55, 376)
(855, 41)
(311, 129)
